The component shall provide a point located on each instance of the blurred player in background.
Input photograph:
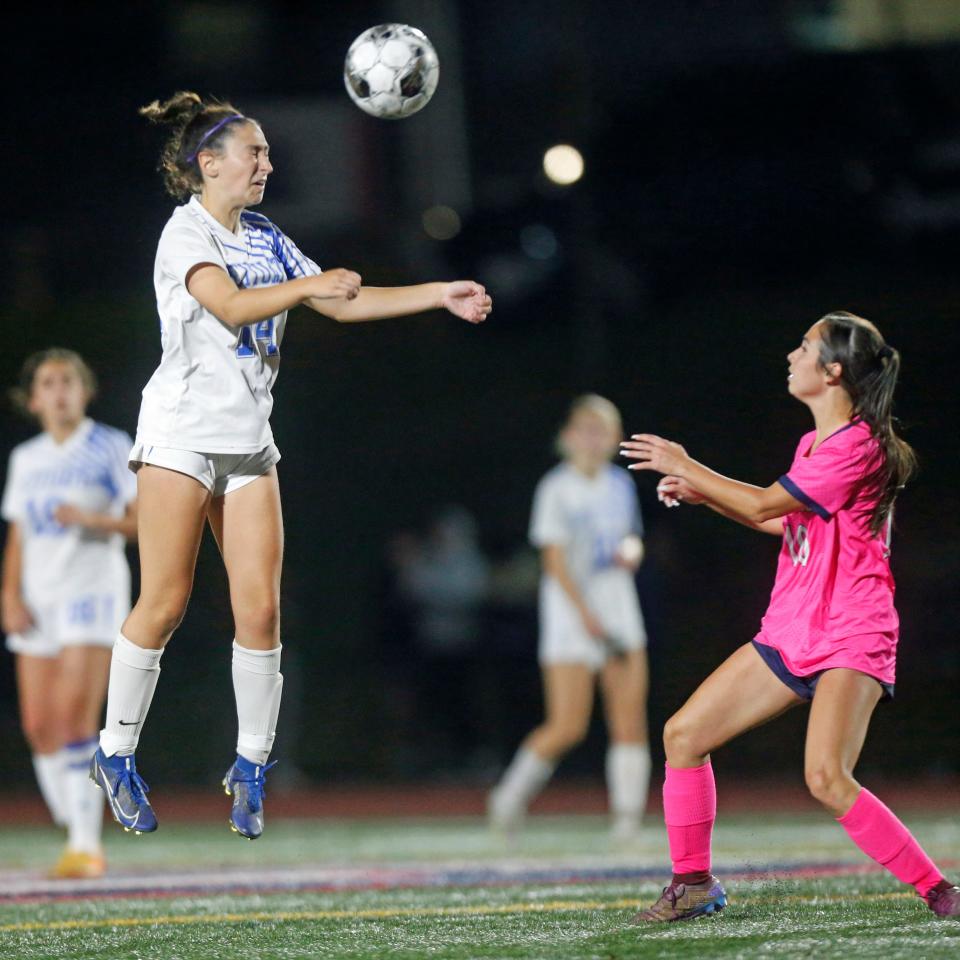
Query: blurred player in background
(586, 522)
(225, 278)
(442, 579)
(829, 635)
(70, 506)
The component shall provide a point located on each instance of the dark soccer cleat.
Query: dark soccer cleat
(126, 792)
(944, 900)
(244, 781)
(683, 901)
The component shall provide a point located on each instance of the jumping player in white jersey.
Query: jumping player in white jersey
(586, 523)
(69, 503)
(225, 278)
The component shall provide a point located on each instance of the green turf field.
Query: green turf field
(449, 890)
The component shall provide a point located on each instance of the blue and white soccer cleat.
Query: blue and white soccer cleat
(244, 781)
(126, 792)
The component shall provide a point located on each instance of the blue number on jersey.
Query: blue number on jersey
(264, 332)
(40, 515)
(83, 611)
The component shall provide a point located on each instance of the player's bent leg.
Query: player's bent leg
(740, 694)
(568, 702)
(171, 511)
(568, 698)
(248, 525)
(39, 681)
(79, 695)
(82, 689)
(843, 703)
(170, 518)
(36, 677)
(624, 683)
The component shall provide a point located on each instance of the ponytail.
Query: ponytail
(196, 125)
(869, 371)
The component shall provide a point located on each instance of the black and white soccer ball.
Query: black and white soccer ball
(391, 71)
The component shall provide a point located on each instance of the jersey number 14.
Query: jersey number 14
(263, 332)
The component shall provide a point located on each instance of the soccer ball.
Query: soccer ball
(391, 71)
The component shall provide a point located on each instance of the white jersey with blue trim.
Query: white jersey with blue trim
(587, 516)
(212, 390)
(88, 470)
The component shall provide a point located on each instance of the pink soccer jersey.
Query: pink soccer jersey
(832, 602)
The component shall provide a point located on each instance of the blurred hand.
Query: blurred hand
(593, 625)
(654, 453)
(15, 615)
(68, 515)
(467, 300)
(672, 491)
(336, 283)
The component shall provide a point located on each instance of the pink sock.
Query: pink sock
(875, 829)
(689, 809)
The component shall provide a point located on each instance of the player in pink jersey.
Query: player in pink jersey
(830, 632)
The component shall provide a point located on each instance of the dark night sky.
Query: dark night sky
(737, 187)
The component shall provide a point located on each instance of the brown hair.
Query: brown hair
(192, 120)
(20, 394)
(869, 371)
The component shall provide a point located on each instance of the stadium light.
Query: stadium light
(563, 164)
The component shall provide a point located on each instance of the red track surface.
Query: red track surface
(451, 800)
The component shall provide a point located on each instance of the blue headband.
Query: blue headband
(211, 132)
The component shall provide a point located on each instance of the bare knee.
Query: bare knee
(832, 786)
(571, 736)
(258, 621)
(40, 732)
(553, 740)
(74, 712)
(160, 615)
(684, 743)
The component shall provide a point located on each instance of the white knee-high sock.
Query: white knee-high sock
(133, 678)
(628, 779)
(50, 768)
(257, 686)
(85, 799)
(526, 776)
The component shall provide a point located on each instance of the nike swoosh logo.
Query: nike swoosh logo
(122, 818)
(129, 723)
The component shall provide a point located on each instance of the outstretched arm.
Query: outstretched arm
(672, 491)
(774, 527)
(212, 287)
(744, 501)
(463, 298)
